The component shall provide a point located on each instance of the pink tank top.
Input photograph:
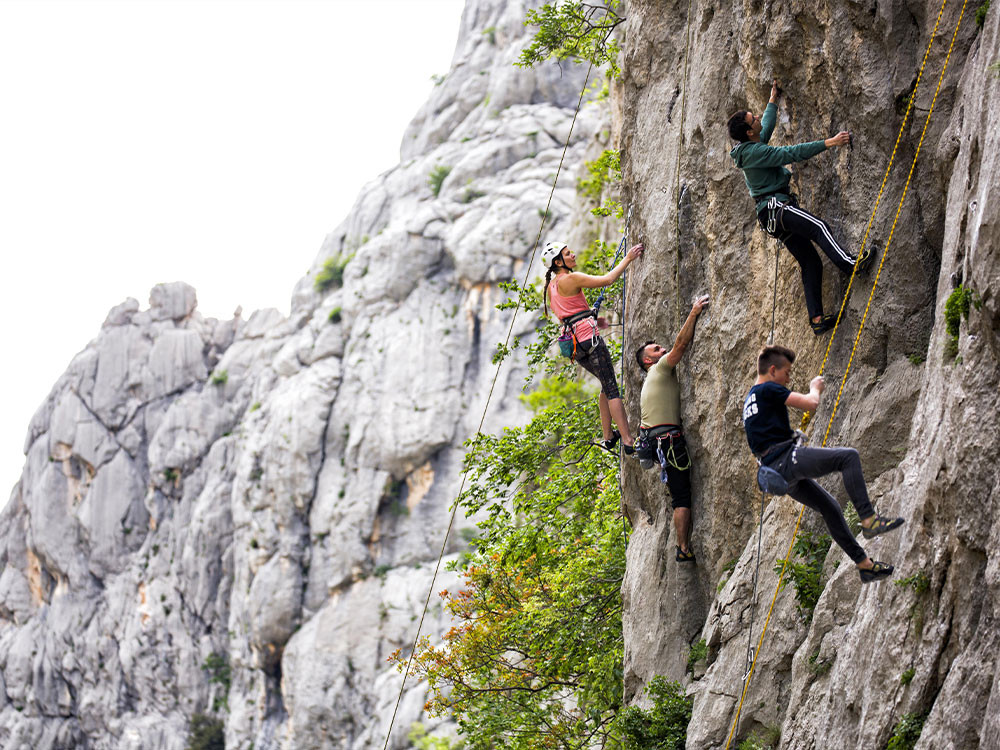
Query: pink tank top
(563, 307)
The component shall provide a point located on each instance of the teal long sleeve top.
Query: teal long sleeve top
(763, 165)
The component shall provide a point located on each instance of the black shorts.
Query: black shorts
(597, 361)
(678, 480)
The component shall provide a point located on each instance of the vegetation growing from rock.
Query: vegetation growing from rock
(535, 659)
(806, 576)
(436, 177)
(206, 733)
(957, 307)
(331, 276)
(906, 732)
(577, 31)
(662, 727)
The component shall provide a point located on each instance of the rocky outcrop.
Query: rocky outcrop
(918, 417)
(240, 518)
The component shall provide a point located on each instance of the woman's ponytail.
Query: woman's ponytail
(545, 291)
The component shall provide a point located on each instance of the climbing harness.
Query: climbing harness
(857, 338)
(482, 420)
(568, 342)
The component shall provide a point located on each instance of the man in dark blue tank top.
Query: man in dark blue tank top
(765, 419)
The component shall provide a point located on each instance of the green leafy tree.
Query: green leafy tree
(535, 657)
(575, 31)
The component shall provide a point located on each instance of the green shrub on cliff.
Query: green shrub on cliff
(535, 657)
(662, 727)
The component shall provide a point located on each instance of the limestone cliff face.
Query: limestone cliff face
(272, 493)
(923, 422)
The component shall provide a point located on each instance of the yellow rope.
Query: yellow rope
(857, 338)
(878, 199)
(892, 231)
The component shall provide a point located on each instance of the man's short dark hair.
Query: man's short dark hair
(738, 128)
(773, 355)
(640, 353)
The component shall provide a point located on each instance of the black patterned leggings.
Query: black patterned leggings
(598, 363)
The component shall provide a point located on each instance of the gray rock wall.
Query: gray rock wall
(272, 493)
(922, 422)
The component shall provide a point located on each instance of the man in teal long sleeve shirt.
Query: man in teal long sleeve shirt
(778, 209)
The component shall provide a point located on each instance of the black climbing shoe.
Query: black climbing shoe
(881, 526)
(629, 449)
(825, 324)
(864, 262)
(877, 572)
(610, 443)
(683, 556)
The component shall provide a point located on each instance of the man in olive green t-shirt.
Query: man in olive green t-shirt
(661, 436)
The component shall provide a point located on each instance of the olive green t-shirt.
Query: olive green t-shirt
(660, 400)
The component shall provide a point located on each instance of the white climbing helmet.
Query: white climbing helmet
(551, 252)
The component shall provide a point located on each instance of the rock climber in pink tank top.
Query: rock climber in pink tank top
(564, 287)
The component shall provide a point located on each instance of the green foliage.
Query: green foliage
(220, 378)
(769, 739)
(956, 307)
(917, 359)
(920, 582)
(436, 177)
(981, 12)
(255, 406)
(334, 316)
(906, 733)
(490, 32)
(698, 652)
(535, 657)
(819, 667)
(422, 741)
(994, 68)
(807, 576)
(574, 31)
(217, 666)
(604, 170)
(206, 733)
(331, 276)
(662, 727)
(170, 475)
(907, 676)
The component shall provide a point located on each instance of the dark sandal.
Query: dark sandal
(683, 556)
(825, 324)
(881, 526)
(609, 444)
(877, 572)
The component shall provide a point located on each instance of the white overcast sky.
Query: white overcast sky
(209, 141)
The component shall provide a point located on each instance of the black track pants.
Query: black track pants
(798, 230)
(804, 464)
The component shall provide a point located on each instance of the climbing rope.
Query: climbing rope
(881, 190)
(677, 173)
(465, 475)
(774, 296)
(857, 338)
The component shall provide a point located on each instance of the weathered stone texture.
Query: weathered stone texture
(272, 492)
(921, 427)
